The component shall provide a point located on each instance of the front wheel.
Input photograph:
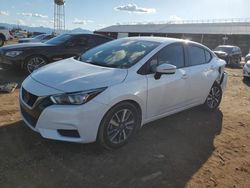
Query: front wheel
(118, 125)
(214, 97)
(34, 63)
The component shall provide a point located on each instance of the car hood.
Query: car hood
(22, 46)
(70, 75)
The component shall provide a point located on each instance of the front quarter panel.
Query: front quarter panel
(134, 88)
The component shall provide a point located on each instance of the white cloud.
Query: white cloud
(175, 18)
(29, 14)
(133, 8)
(81, 21)
(4, 13)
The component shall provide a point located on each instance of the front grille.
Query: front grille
(32, 115)
(28, 97)
(30, 119)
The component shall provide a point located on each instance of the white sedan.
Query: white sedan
(246, 70)
(110, 91)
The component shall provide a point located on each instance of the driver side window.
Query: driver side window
(171, 54)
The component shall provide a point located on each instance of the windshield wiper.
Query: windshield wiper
(96, 63)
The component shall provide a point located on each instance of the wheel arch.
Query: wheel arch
(132, 101)
(2, 36)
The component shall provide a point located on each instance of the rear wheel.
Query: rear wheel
(34, 63)
(1, 41)
(214, 97)
(118, 125)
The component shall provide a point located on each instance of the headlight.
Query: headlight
(13, 53)
(76, 98)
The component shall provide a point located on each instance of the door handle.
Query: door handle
(184, 76)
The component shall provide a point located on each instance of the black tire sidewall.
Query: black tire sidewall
(219, 87)
(102, 133)
(28, 59)
(1, 41)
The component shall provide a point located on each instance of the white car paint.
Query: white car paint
(172, 93)
(246, 69)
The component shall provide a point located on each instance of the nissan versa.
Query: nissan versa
(110, 91)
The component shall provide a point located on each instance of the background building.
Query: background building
(209, 32)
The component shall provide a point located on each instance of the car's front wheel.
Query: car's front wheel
(33, 63)
(214, 97)
(119, 125)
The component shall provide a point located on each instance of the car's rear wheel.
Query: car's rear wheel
(118, 125)
(214, 97)
(33, 63)
(1, 41)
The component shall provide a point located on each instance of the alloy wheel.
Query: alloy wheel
(35, 63)
(214, 97)
(121, 126)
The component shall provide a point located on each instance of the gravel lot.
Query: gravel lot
(193, 148)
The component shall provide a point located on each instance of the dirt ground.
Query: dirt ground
(194, 148)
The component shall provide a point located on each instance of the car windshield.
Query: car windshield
(39, 36)
(224, 49)
(121, 53)
(59, 39)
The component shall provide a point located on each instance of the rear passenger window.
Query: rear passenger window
(196, 55)
(208, 56)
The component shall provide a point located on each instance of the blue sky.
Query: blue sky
(95, 14)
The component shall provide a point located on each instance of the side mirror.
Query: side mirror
(164, 69)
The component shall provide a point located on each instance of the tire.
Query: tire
(113, 131)
(34, 62)
(214, 97)
(1, 41)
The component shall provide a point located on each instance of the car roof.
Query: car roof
(227, 46)
(88, 34)
(165, 40)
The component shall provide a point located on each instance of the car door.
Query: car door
(169, 92)
(201, 73)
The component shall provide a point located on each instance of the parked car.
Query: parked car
(20, 34)
(4, 35)
(246, 70)
(110, 91)
(39, 38)
(247, 57)
(30, 56)
(231, 54)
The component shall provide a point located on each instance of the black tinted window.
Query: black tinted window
(81, 41)
(196, 55)
(172, 54)
(59, 39)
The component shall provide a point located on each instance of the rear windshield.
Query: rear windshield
(59, 39)
(224, 49)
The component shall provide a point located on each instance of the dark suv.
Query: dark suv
(30, 56)
(231, 54)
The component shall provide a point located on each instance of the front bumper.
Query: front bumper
(73, 123)
(7, 62)
(246, 71)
